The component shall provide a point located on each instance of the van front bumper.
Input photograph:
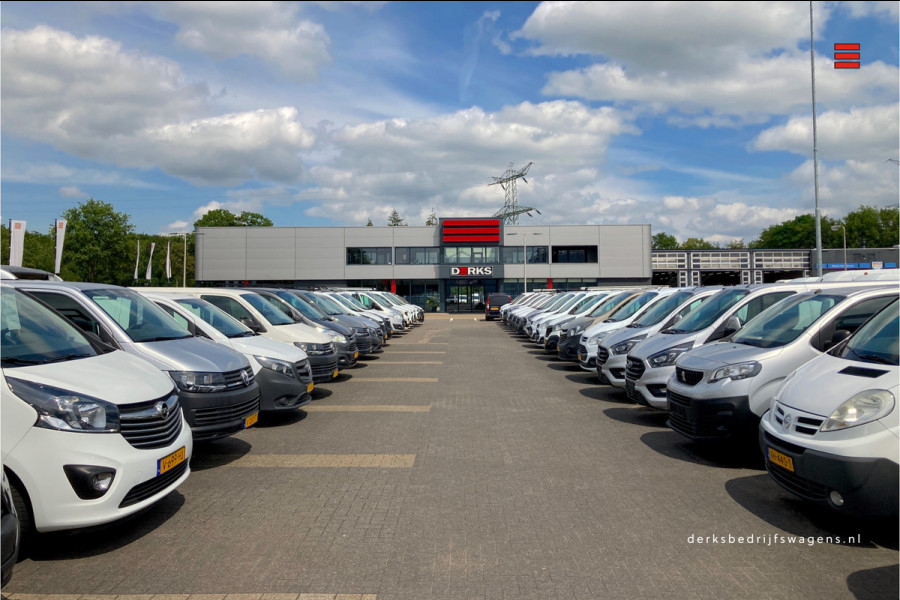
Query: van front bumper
(347, 353)
(867, 486)
(278, 392)
(709, 418)
(216, 415)
(324, 367)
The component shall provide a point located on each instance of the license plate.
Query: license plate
(310, 386)
(335, 374)
(251, 420)
(782, 460)
(495, 310)
(169, 462)
(580, 358)
(356, 355)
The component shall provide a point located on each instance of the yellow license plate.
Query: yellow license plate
(251, 420)
(310, 386)
(169, 462)
(356, 355)
(782, 460)
(580, 359)
(335, 374)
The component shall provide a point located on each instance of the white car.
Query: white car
(89, 434)
(832, 432)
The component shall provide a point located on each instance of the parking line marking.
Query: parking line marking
(369, 408)
(397, 362)
(418, 352)
(258, 596)
(392, 380)
(303, 461)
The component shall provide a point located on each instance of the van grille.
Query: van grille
(153, 424)
(687, 376)
(602, 355)
(303, 371)
(234, 380)
(634, 369)
(324, 371)
(225, 414)
(150, 488)
(797, 484)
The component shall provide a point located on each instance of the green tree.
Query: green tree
(697, 244)
(96, 245)
(370, 223)
(221, 217)
(395, 220)
(798, 233)
(736, 245)
(871, 227)
(663, 241)
(432, 220)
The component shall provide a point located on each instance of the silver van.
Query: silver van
(721, 390)
(215, 384)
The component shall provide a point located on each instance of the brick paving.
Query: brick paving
(520, 478)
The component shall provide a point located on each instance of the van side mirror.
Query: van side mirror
(731, 326)
(839, 336)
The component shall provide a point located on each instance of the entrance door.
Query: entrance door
(467, 295)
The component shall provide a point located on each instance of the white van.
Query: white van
(613, 349)
(281, 370)
(89, 434)
(263, 317)
(721, 390)
(831, 433)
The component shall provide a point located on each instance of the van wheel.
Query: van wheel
(23, 512)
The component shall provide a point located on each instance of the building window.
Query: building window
(417, 256)
(368, 256)
(574, 254)
(471, 255)
(512, 255)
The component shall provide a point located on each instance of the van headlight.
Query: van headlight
(66, 410)
(737, 371)
(864, 407)
(279, 366)
(198, 382)
(626, 346)
(595, 339)
(334, 335)
(667, 357)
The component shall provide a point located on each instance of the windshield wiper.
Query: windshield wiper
(68, 357)
(11, 360)
(163, 338)
(874, 358)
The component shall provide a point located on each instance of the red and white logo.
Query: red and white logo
(471, 271)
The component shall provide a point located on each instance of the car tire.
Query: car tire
(23, 512)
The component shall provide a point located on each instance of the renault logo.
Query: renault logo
(788, 420)
(162, 409)
(245, 378)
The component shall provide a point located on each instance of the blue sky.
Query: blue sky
(693, 117)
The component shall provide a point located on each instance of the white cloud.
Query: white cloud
(719, 63)
(868, 133)
(53, 83)
(872, 9)
(271, 31)
(177, 227)
(844, 187)
(72, 192)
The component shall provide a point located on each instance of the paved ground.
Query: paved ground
(463, 463)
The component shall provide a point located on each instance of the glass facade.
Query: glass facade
(369, 256)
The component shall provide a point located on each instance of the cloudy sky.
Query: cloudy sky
(693, 117)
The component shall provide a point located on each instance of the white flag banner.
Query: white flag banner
(168, 260)
(137, 261)
(16, 242)
(150, 262)
(60, 239)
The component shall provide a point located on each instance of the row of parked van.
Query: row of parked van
(107, 389)
(807, 370)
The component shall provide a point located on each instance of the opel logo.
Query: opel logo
(245, 378)
(788, 419)
(162, 409)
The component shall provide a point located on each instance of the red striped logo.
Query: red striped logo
(844, 59)
(456, 231)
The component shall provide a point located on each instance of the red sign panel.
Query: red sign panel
(482, 231)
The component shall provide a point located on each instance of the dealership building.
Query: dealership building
(454, 265)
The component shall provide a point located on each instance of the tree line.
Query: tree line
(866, 227)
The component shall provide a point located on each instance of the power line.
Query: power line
(511, 209)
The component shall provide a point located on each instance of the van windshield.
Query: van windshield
(215, 317)
(707, 313)
(328, 305)
(877, 340)
(784, 321)
(632, 307)
(308, 310)
(609, 304)
(269, 311)
(32, 334)
(661, 310)
(141, 319)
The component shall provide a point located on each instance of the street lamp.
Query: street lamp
(524, 256)
(184, 263)
(835, 228)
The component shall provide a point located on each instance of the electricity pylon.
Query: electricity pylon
(511, 209)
